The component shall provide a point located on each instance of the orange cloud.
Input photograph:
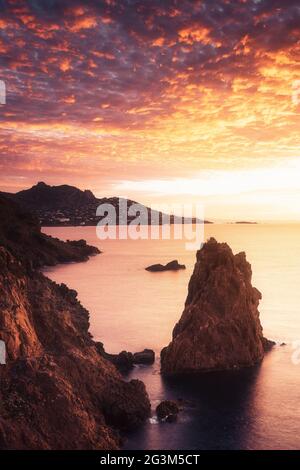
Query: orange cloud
(65, 65)
(105, 55)
(69, 99)
(3, 24)
(158, 42)
(193, 34)
(80, 23)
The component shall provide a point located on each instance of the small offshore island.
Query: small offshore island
(171, 266)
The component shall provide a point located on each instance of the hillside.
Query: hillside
(68, 205)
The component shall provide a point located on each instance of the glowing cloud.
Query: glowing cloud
(143, 96)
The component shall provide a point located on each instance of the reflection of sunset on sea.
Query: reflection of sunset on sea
(159, 101)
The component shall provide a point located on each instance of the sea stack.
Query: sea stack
(219, 328)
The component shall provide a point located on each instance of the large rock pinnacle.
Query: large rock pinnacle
(220, 327)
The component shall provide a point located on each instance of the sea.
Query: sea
(132, 309)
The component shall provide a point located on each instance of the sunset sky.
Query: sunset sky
(156, 100)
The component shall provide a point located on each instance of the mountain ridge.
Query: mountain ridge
(68, 205)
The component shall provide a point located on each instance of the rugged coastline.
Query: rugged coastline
(59, 388)
(57, 391)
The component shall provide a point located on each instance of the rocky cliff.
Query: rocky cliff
(220, 326)
(21, 234)
(56, 390)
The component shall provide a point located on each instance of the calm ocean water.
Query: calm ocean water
(132, 309)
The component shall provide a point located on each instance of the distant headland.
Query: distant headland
(66, 205)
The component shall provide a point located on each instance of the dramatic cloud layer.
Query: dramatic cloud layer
(131, 89)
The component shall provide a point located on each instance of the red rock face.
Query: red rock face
(56, 391)
(220, 327)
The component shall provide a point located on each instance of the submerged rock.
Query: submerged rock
(167, 410)
(220, 327)
(171, 266)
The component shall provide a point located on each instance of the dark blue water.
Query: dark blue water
(256, 408)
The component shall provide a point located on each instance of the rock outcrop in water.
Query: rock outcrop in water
(56, 390)
(171, 266)
(220, 327)
(124, 361)
(167, 410)
(147, 356)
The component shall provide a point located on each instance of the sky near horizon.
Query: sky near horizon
(159, 101)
